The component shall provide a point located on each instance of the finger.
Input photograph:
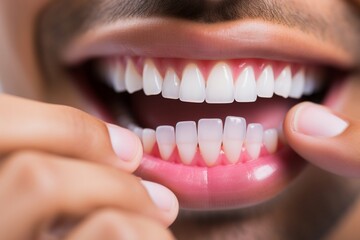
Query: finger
(62, 130)
(41, 186)
(113, 224)
(325, 138)
(345, 98)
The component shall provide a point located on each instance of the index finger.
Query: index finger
(62, 130)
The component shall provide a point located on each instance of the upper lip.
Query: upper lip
(172, 38)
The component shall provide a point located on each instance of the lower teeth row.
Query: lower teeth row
(210, 137)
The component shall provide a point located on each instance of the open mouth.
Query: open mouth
(190, 130)
(210, 124)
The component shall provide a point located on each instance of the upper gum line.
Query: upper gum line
(205, 66)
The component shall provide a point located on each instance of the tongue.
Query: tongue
(153, 111)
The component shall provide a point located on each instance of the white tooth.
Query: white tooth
(310, 82)
(266, 84)
(233, 138)
(114, 73)
(131, 126)
(171, 85)
(152, 80)
(283, 83)
(165, 136)
(220, 84)
(298, 83)
(192, 87)
(245, 86)
(135, 129)
(210, 133)
(149, 140)
(133, 80)
(271, 140)
(186, 140)
(254, 137)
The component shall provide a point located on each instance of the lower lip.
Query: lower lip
(228, 186)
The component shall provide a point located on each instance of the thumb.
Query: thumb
(324, 138)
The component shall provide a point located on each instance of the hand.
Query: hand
(65, 174)
(328, 137)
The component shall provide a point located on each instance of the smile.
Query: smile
(209, 110)
(210, 142)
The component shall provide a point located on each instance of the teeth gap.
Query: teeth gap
(211, 81)
(209, 142)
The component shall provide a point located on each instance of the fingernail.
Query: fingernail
(317, 121)
(125, 144)
(162, 197)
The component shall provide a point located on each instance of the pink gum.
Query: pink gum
(237, 65)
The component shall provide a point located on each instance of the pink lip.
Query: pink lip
(225, 186)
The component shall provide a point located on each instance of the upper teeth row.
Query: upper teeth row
(220, 86)
(210, 137)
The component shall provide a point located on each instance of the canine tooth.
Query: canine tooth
(148, 139)
(186, 140)
(210, 133)
(165, 136)
(253, 141)
(266, 84)
(192, 87)
(233, 138)
(271, 140)
(245, 86)
(114, 73)
(298, 83)
(171, 85)
(133, 80)
(152, 80)
(220, 84)
(283, 83)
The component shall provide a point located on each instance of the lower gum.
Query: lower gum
(200, 162)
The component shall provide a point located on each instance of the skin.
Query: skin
(322, 202)
(46, 178)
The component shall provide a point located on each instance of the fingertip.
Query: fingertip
(127, 147)
(323, 138)
(288, 129)
(317, 121)
(164, 199)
